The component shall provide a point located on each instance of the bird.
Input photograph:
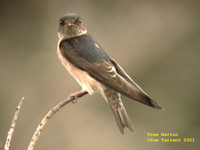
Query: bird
(96, 71)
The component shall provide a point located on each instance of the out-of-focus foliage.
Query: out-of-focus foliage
(156, 42)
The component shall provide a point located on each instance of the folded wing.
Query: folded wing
(108, 72)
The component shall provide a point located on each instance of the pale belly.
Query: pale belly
(83, 78)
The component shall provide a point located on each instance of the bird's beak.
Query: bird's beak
(69, 24)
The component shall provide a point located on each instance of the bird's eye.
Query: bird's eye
(78, 21)
(61, 22)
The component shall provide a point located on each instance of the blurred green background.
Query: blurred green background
(156, 42)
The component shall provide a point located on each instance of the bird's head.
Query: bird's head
(70, 25)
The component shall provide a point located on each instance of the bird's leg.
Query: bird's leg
(78, 94)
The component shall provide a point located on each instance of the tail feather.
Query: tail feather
(125, 119)
(118, 110)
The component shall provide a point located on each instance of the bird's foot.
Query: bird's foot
(76, 95)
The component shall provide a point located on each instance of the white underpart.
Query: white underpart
(83, 78)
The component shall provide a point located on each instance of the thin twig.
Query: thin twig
(49, 115)
(12, 128)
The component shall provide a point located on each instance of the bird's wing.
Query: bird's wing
(123, 74)
(107, 72)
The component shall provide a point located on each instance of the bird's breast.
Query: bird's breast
(82, 77)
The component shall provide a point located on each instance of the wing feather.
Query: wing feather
(107, 72)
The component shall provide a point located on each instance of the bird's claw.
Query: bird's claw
(77, 95)
(75, 100)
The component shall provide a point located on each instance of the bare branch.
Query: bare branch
(56, 108)
(12, 128)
